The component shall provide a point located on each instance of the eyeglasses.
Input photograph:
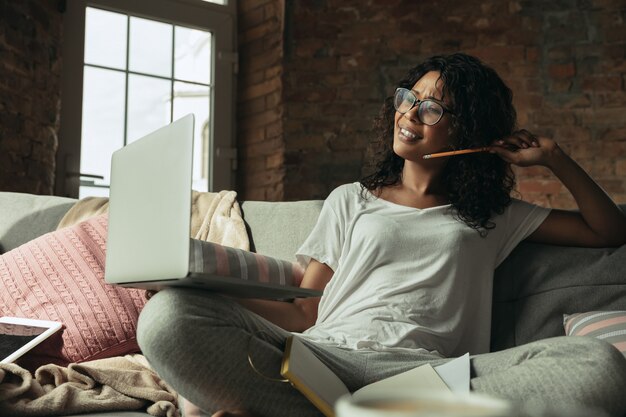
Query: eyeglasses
(429, 111)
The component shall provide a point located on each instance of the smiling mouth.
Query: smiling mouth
(408, 134)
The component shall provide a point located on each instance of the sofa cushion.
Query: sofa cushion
(278, 229)
(60, 276)
(537, 284)
(609, 326)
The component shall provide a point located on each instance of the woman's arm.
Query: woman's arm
(599, 222)
(300, 314)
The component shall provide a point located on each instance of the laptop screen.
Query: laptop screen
(150, 206)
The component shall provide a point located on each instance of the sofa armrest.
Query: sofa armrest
(24, 217)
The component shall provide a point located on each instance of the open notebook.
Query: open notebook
(323, 388)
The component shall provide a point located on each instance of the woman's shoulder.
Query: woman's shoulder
(519, 211)
(346, 190)
(345, 195)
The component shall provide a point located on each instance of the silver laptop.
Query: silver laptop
(148, 244)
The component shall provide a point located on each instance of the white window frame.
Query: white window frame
(198, 14)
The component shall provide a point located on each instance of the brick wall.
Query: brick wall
(565, 61)
(30, 69)
(313, 74)
(260, 101)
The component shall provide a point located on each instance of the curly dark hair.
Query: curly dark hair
(477, 185)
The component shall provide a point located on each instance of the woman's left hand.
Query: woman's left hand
(524, 149)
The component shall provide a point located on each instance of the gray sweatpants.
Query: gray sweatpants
(199, 343)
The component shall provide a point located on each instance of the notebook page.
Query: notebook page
(424, 377)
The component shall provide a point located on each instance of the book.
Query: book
(323, 388)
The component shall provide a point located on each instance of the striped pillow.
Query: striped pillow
(213, 258)
(606, 325)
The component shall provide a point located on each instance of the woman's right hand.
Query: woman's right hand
(524, 149)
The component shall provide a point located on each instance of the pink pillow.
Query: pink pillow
(60, 276)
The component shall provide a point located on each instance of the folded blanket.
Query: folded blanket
(221, 219)
(112, 384)
(84, 209)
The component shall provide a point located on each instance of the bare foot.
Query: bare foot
(233, 413)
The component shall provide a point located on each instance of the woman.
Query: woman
(399, 257)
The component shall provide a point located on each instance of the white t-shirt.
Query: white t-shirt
(407, 277)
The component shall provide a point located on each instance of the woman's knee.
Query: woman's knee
(591, 349)
(171, 319)
(604, 370)
(158, 319)
(606, 351)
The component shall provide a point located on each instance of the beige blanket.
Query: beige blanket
(113, 384)
(216, 217)
(119, 383)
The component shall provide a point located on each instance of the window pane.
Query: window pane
(192, 98)
(150, 47)
(149, 105)
(105, 38)
(103, 120)
(86, 191)
(192, 55)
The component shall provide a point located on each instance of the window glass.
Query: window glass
(150, 47)
(103, 120)
(193, 55)
(105, 38)
(149, 105)
(87, 191)
(123, 102)
(193, 98)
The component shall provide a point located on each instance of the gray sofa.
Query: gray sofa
(533, 288)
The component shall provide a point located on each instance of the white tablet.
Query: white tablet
(18, 336)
